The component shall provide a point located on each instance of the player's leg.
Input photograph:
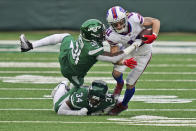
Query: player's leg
(132, 78)
(49, 40)
(60, 90)
(76, 81)
(118, 76)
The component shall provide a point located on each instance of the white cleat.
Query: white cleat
(25, 44)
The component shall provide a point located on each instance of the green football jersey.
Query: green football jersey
(77, 57)
(79, 99)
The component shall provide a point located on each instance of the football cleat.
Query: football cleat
(117, 109)
(25, 45)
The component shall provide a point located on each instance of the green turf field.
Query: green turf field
(166, 91)
(165, 97)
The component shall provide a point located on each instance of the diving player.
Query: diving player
(78, 56)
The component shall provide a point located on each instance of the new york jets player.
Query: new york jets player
(124, 29)
(92, 100)
(78, 56)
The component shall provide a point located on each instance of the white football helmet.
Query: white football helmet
(118, 15)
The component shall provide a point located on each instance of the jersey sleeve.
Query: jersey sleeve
(136, 17)
(114, 38)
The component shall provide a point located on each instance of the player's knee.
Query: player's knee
(116, 73)
(130, 86)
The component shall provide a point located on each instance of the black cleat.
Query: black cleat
(25, 44)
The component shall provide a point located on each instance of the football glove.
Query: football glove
(150, 38)
(131, 63)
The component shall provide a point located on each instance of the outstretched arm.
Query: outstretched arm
(66, 110)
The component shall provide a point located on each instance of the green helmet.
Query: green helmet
(97, 92)
(93, 30)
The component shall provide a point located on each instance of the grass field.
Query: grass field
(165, 97)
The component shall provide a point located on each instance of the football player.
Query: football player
(78, 56)
(86, 100)
(124, 29)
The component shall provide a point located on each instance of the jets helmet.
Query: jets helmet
(116, 15)
(97, 92)
(93, 30)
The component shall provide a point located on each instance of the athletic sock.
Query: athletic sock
(49, 40)
(119, 79)
(128, 95)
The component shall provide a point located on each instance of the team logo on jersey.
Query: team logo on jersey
(94, 29)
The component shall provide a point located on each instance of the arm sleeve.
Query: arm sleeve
(109, 57)
(50, 40)
(112, 59)
(136, 17)
(65, 110)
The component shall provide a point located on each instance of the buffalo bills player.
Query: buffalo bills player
(124, 29)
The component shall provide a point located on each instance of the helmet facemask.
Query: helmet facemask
(123, 24)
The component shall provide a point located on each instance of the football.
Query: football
(145, 32)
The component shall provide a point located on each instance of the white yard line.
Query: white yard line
(182, 47)
(129, 110)
(138, 89)
(153, 123)
(161, 110)
(56, 64)
(96, 72)
(53, 79)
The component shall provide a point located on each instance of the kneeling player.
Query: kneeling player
(92, 100)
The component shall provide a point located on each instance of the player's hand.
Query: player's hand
(131, 63)
(83, 111)
(150, 38)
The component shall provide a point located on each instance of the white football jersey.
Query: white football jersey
(135, 22)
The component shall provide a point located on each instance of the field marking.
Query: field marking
(123, 123)
(128, 110)
(52, 79)
(156, 121)
(55, 59)
(138, 89)
(144, 120)
(97, 72)
(56, 64)
(141, 98)
(159, 47)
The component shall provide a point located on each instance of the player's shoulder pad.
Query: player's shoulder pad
(136, 17)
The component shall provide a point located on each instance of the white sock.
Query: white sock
(50, 40)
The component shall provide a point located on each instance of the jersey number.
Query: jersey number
(78, 96)
(75, 52)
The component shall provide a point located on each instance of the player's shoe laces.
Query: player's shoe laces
(117, 109)
(118, 89)
(64, 83)
(25, 45)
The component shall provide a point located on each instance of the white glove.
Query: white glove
(83, 111)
